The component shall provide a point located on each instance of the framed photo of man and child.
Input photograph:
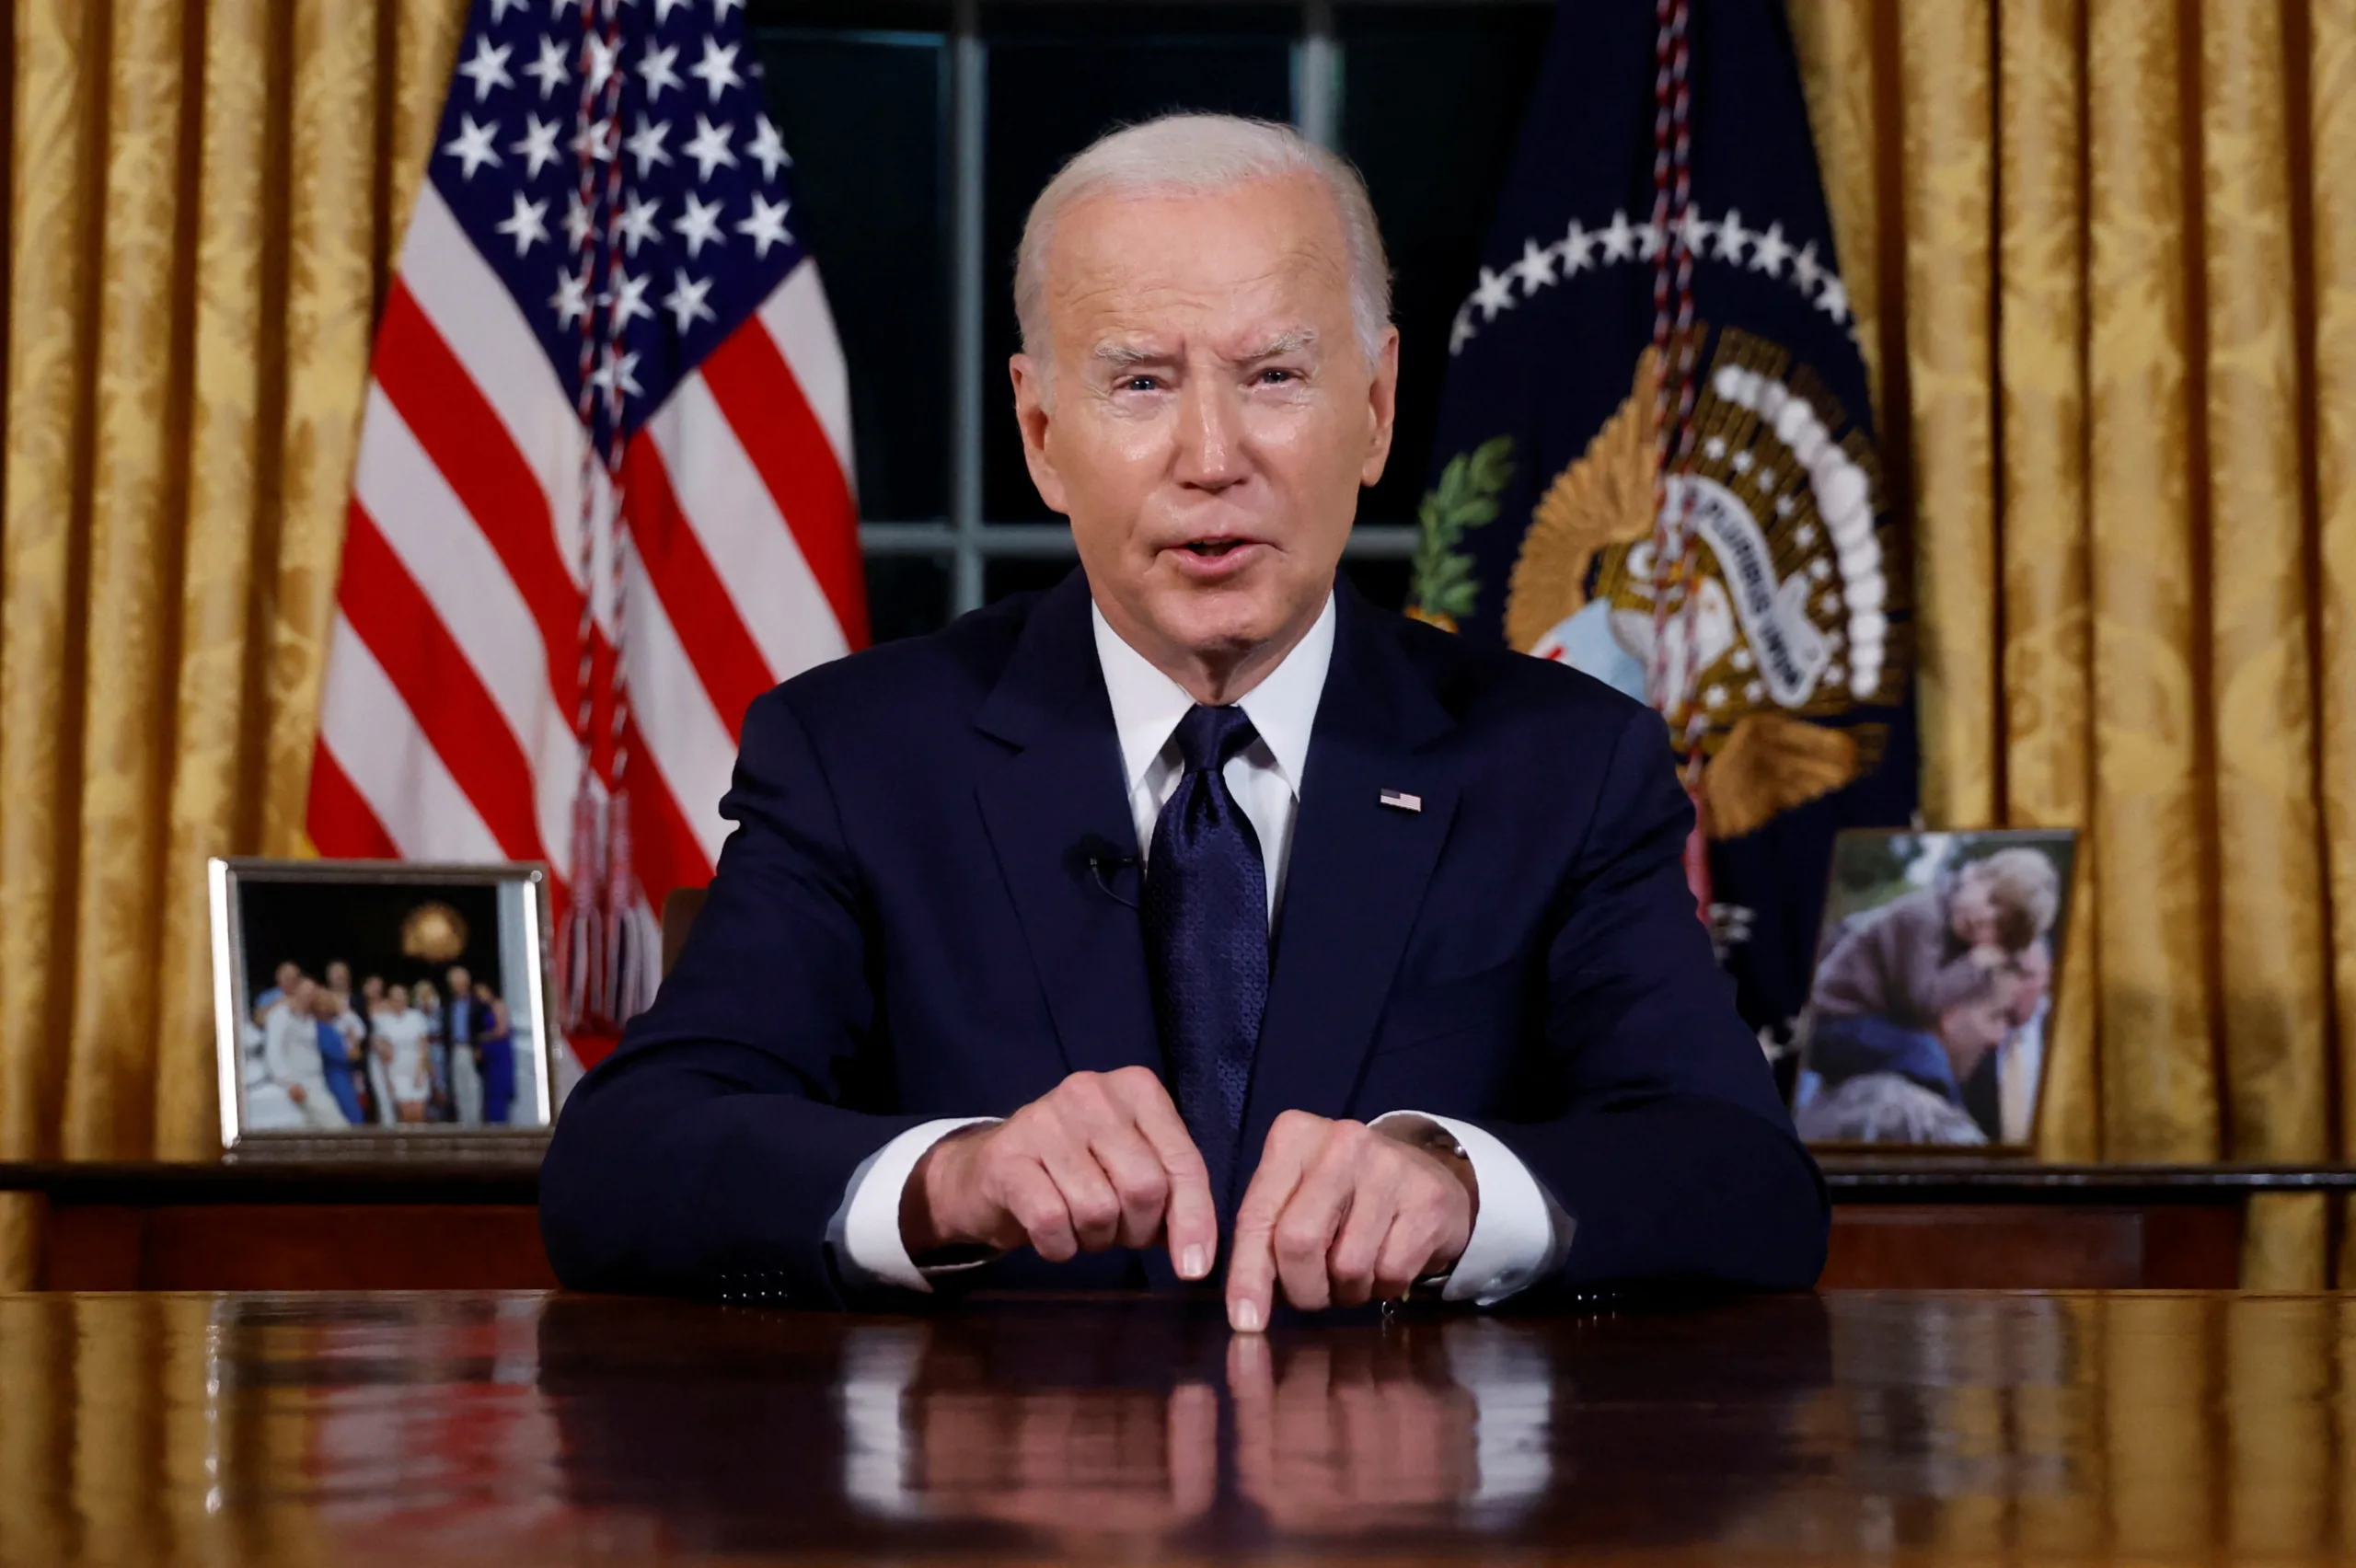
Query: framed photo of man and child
(375, 1008)
(1937, 971)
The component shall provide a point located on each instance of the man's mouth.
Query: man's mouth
(1213, 548)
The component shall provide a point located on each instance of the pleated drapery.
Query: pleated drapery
(2104, 258)
(204, 199)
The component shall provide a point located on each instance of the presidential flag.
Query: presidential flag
(1656, 457)
(603, 491)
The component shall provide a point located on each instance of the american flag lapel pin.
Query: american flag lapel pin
(1401, 801)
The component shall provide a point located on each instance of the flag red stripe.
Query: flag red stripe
(463, 437)
(340, 822)
(703, 617)
(393, 616)
(756, 391)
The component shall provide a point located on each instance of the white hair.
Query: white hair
(1197, 155)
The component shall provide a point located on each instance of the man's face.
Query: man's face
(460, 981)
(1205, 415)
(287, 976)
(1973, 908)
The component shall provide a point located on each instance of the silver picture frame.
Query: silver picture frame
(252, 899)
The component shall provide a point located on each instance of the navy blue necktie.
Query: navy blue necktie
(1206, 911)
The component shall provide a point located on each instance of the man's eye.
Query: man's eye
(1274, 378)
(1139, 384)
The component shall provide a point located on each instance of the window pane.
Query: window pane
(1432, 97)
(865, 115)
(906, 595)
(1059, 78)
(1019, 574)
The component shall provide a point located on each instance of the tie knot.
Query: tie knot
(1209, 737)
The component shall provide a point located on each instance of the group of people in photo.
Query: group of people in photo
(320, 1055)
(1930, 1011)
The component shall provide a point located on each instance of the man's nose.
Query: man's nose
(1210, 435)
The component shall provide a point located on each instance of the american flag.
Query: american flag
(603, 496)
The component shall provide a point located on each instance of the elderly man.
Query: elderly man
(1194, 918)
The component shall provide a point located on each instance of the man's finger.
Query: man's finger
(1251, 1268)
(1034, 1203)
(1404, 1258)
(1088, 1195)
(1313, 1216)
(1139, 1184)
(1189, 1214)
(1350, 1262)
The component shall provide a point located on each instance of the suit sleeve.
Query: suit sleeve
(719, 1139)
(1674, 1157)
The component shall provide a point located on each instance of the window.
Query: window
(922, 129)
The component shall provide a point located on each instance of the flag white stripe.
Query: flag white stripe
(796, 318)
(381, 749)
(751, 550)
(675, 717)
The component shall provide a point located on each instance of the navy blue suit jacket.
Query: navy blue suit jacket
(905, 924)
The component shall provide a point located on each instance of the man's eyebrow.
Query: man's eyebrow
(1121, 354)
(1283, 343)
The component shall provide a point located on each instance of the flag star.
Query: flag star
(1647, 240)
(1694, 231)
(719, 8)
(548, 69)
(645, 144)
(1495, 293)
(1784, 505)
(488, 69)
(709, 148)
(472, 145)
(616, 372)
(1834, 300)
(637, 224)
(1806, 268)
(578, 220)
(1733, 237)
(628, 297)
(699, 226)
(499, 9)
(594, 140)
(1769, 252)
(1579, 250)
(527, 225)
(655, 66)
(1619, 240)
(684, 302)
(600, 62)
(1536, 268)
(767, 226)
(717, 69)
(571, 299)
(768, 151)
(1715, 448)
(662, 9)
(539, 145)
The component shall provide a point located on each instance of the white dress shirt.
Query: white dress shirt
(1518, 1231)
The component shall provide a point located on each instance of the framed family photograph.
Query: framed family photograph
(1936, 971)
(374, 1008)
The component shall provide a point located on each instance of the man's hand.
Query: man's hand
(1100, 1160)
(1339, 1213)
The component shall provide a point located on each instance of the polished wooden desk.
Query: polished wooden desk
(523, 1429)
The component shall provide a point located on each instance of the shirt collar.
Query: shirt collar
(1148, 704)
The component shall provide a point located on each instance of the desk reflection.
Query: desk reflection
(522, 1430)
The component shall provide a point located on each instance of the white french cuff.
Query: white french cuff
(1520, 1233)
(865, 1231)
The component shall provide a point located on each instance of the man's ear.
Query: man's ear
(1030, 413)
(1383, 400)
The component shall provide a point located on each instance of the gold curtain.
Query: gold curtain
(204, 199)
(2104, 256)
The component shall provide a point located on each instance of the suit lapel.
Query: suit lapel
(1056, 795)
(1357, 875)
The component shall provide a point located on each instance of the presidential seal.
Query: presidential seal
(1788, 627)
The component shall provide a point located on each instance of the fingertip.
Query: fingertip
(1246, 1316)
(1194, 1260)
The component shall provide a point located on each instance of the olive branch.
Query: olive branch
(1440, 581)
